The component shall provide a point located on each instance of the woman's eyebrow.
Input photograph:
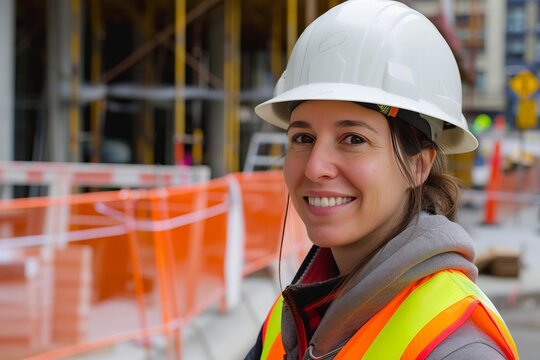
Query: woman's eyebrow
(352, 123)
(299, 124)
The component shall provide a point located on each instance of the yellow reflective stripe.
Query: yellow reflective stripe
(432, 297)
(466, 283)
(273, 328)
(468, 286)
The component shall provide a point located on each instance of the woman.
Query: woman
(371, 99)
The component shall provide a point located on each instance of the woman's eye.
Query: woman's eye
(302, 139)
(354, 139)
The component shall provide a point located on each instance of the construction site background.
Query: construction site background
(175, 82)
(144, 210)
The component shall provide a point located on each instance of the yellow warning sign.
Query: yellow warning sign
(524, 83)
(526, 114)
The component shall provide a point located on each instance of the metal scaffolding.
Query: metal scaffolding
(231, 71)
(81, 75)
(180, 80)
(75, 75)
(7, 85)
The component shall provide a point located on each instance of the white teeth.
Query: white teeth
(328, 201)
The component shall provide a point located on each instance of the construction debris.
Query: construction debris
(499, 261)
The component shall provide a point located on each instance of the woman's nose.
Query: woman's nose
(321, 163)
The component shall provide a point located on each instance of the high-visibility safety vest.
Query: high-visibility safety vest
(414, 323)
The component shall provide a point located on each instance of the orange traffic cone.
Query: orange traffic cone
(490, 209)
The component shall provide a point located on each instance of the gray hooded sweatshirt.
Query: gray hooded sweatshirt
(431, 244)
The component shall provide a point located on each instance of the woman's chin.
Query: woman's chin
(328, 241)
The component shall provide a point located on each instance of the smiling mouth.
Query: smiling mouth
(328, 201)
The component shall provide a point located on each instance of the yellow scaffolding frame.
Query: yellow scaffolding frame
(292, 24)
(231, 75)
(231, 69)
(96, 107)
(277, 33)
(332, 3)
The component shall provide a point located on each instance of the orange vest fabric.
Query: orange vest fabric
(415, 322)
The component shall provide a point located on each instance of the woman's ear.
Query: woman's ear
(423, 165)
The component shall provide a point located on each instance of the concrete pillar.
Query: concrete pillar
(215, 126)
(7, 78)
(495, 30)
(531, 18)
(311, 11)
(58, 76)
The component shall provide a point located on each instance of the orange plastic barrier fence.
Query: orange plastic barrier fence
(263, 201)
(264, 197)
(95, 270)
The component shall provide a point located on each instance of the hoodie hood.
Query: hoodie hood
(431, 244)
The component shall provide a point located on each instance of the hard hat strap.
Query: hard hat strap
(410, 117)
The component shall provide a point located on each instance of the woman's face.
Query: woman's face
(343, 176)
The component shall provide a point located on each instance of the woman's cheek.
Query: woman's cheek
(290, 169)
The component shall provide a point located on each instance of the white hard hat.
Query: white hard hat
(378, 52)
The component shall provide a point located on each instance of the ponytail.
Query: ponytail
(439, 194)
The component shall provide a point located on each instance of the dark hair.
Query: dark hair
(439, 194)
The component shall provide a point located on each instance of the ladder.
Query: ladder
(261, 141)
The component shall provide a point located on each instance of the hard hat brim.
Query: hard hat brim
(276, 110)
